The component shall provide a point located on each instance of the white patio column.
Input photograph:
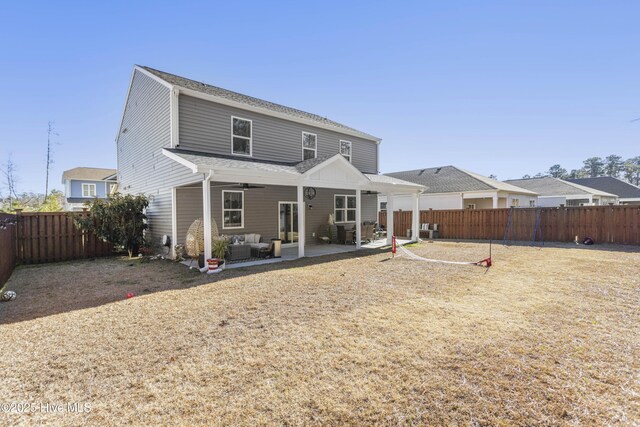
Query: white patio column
(415, 218)
(495, 201)
(301, 224)
(389, 218)
(358, 219)
(206, 212)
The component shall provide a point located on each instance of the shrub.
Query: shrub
(120, 220)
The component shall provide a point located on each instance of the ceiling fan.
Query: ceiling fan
(243, 186)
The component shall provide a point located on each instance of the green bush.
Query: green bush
(120, 220)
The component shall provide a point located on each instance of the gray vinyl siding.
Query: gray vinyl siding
(206, 126)
(370, 207)
(261, 209)
(142, 168)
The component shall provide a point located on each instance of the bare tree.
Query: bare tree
(50, 132)
(9, 172)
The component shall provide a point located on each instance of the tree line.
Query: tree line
(612, 165)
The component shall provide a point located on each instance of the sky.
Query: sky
(496, 87)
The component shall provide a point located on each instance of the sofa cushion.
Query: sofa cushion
(252, 238)
(259, 245)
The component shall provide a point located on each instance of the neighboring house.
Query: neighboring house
(628, 194)
(553, 192)
(449, 187)
(82, 184)
(200, 151)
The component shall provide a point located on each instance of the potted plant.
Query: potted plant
(219, 250)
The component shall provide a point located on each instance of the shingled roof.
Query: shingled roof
(208, 89)
(91, 174)
(549, 186)
(612, 185)
(450, 179)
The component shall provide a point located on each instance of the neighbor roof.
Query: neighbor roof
(253, 102)
(549, 186)
(612, 185)
(91, 174)
(450, 179)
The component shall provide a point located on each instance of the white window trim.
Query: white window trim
(345, 209)
(515, 202)
(350, 149)
(243, 137)
(95, 192)
(315, 151)
(241, 210)
(471, 206)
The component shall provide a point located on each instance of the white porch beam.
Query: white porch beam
(389, 218)
(301, 224)
(358, 219)
(206, 212)
(415, 218)
(495, 201)
(174, 222)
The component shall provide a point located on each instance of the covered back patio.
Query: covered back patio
(290, 202)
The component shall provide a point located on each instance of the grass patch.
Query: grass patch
(546, 336)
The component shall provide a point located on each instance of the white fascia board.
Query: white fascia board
(242, 106)
(175, 157)
(339, 158)
(153, 76)
(126, 102)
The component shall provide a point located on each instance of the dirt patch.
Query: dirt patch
(546, 336)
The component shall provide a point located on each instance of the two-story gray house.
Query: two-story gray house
(84, 184)
(253, 166)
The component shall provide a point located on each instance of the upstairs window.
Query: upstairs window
(345, 149)
(309, 145)
(241, 136)
(344, 208)
(88, 190)
(232, 209)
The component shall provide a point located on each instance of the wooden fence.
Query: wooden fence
(53, 236)
(604, 224)
(7, 247)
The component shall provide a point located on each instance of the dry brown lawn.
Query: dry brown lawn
(545, 337)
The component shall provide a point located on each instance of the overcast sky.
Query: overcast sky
(497, 87)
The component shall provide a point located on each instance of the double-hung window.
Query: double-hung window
(232, 209)
(241, 136)
(515, 203)
(344, 208)
(345, 149)
(88, 190)
(309, 145)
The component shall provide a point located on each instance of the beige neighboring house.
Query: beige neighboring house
(450, 187)
(82, 184)
(554, 192)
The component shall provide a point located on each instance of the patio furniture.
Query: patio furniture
(263, 251)
(194, 241)
(237, 252)
(345, 235)
(366, 232)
